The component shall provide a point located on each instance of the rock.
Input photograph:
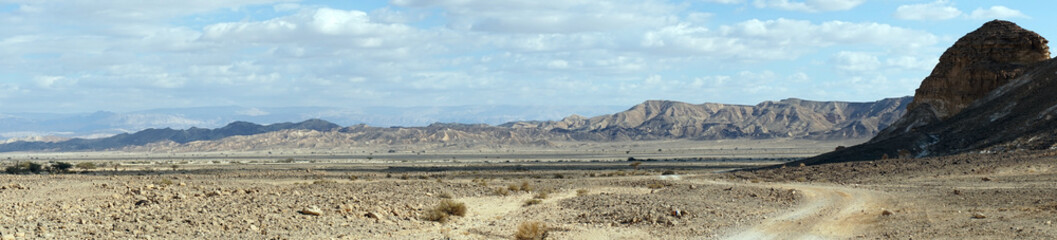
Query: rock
(967, 103)
(979, 215)
(985, 179)
(371, 215)
(977, 63)
(886, 212)
(254, 228)
(311, 210)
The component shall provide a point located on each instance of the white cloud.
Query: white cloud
(912, 63)
(54, 82)
(855, 61)
(778, 39)
(997, 12)
(253, 112)
(549, 16)
(938, 10)
(809, 5)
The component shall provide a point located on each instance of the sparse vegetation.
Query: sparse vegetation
(533, 201)
(581, 192)
(502, 191)
(533, 230)
(86, 166)
(445, 209)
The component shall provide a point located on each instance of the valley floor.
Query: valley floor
(976, 196)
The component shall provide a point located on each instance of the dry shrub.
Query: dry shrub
(533, 201)
(445, 209)
(531, 231)
(542, 194)
(525, 186)
(502, 191)
(513, 187)
(655, 185)
(581, 192)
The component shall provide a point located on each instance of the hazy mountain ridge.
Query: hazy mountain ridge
(103, 123)
(651, 120)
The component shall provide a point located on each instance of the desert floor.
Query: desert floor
(246, 196)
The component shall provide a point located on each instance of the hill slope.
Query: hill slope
(1017, 114)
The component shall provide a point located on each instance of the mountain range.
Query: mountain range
(651, 120)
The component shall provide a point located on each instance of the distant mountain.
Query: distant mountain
(990, 92)
(165, 135)
(789, 118)
(651, 120)
(103, 124)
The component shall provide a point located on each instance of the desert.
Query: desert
(466, 120)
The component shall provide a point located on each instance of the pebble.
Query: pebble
(886, 212)
(311, 210)
(979, 216)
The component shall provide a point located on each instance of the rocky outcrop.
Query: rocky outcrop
(1018, 113)
(976, 64)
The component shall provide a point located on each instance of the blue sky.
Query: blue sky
(82, 56)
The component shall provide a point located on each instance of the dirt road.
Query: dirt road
(826, 212)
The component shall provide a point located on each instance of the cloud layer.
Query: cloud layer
(132, 55)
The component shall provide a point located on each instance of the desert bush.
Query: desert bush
(61, 167)
(445, 209)
(655, 185)
(86, 165)
(533, 201)
(502, 191)
(531, 231)
(525, 186)
(513, 187)
(542, 194)
(581, 192)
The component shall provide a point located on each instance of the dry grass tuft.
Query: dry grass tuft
(445, 209)
(531, 231)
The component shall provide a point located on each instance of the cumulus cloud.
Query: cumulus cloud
(549, 16)
(944, 10)
(855, 61)
(997, 12)
(809, 5)
(938, 10)
(778, 39)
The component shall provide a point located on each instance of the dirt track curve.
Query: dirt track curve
(826, 212)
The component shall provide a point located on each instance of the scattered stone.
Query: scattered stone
(371, 215)
(311, 210)
(886, 212)
(986, 179)
(979, 216)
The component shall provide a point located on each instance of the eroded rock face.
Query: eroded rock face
(978, 63)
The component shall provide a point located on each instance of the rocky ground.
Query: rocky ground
(993, 196)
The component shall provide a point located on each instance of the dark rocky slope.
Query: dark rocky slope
(1017, 112)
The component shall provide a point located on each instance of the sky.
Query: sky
(128, 55)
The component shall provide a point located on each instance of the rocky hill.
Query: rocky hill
(989, 92)
(165, 135)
